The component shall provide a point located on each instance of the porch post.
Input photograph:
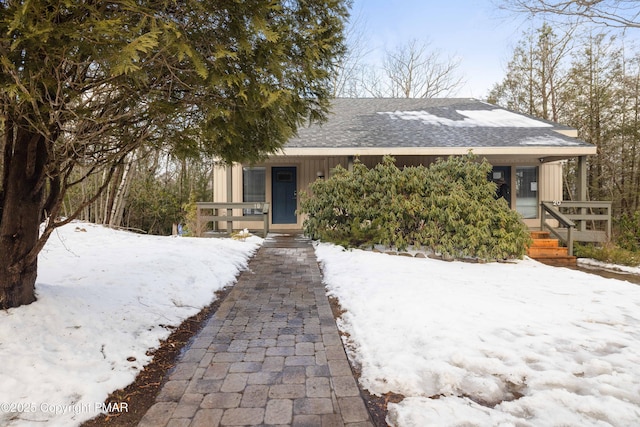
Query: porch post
(581, 185)
(229, 170)
(581, 188)
(350, 163)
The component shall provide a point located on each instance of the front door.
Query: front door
(284, 195)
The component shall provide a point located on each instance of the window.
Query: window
(527, 191)
(284, 176)
(253, 187)
(501, 176)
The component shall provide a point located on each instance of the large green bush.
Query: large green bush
(448, 208)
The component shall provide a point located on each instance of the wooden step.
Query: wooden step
(545, 243)
(548, 251)
(540, 234)
(535, 252)
(565, 261)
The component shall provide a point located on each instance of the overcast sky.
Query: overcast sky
(476, 31)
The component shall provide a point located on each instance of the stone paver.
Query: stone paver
(270, 355)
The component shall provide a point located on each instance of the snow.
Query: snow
(473, 118)
(592, 263)
(547, 141)
(518, 344)
(105, 298)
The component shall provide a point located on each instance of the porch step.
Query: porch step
(548, 251)
(557, 261)
(545, 243)
(540, 235)
(541, 252)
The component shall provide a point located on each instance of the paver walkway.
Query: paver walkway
(271, 354)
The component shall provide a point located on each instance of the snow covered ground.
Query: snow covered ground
(500, 344)
(518, 344)
(105, 298)
(592, 263)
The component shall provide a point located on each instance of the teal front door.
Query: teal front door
(284, 195)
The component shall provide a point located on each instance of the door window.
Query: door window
(527, 191)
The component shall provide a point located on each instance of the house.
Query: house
(526, 152)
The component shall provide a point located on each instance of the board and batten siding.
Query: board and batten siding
(550, 177)
(308, 168)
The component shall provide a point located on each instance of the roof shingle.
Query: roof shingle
(435, 122)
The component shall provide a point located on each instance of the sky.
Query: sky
(475, 31)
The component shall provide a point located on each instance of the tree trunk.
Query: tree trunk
(121, 194)
(24, 178)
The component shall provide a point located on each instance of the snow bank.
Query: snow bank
(489, 344)
(105, 297)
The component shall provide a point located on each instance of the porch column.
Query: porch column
(581, 188)
(350, 163)
(581, 184)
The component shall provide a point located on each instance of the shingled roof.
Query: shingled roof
(451, 124)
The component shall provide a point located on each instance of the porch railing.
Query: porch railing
(223, 212)
(582, 221)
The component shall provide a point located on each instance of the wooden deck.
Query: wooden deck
(571, 221)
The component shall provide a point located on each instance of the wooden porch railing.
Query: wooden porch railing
(586, 221)
(217, 212)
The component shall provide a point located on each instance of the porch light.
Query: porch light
(320, 174)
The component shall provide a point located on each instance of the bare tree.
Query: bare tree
(346, 81)
(535, 74)
(417, 71)
(371, 83)
(610, 13)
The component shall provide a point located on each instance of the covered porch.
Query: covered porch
(536, 184)
(571, 221)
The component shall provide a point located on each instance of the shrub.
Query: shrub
(448, 208)
(628, 231)
(191, 227)
(609, 253)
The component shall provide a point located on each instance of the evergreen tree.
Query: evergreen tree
(596, 73)
(535, 75)
(84, 84)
